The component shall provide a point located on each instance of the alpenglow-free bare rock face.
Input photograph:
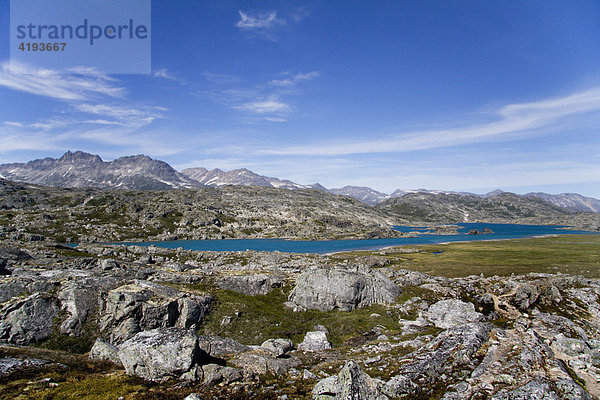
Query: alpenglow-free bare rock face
(352, 383)
(145, 305)
(28, 320)
(160, 353)
(452, 313)
(325, 289)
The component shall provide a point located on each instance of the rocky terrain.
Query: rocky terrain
(145, 322)
(94, 215)
(502, 207)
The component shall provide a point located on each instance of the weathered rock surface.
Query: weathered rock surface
(315, 341)
(27, 320)
(262, 361)
(252, 285)
(278, 347)
(352, 383)
(10, 364)
(144, 305)
(450, 354)
(160, 353)
(447, 314)
(216, 346)
(102, 350)
(325, 289)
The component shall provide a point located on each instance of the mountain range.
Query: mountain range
(140, 172)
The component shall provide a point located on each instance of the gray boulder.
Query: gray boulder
(102, 350)
(213, 374)
(27, 320)
(526, 295)
(9, 365)
(447, 314)
(278, 347)
(252, 285)
(315, 341)
(9, 255)
(160, 353)
(79, 299)
(262, 361)
(144, 305)
(216, 346)
(352, 383)
(325, 289)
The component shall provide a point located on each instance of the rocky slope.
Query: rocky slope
(500, 208)
(242, 177)
(364, 194)
(77, 215)
(570, 201)
(185, 323)
(81, 169)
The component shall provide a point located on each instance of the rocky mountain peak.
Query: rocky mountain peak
(79, 157)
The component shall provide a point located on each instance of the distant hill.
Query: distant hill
(79, 169)
(364, 194)
(450, 207)
(570, 201)
(241, 177)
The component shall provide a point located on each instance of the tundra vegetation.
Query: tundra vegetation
(491, 319)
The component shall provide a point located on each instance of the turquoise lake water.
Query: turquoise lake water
(500, 231)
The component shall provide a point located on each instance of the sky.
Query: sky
(450, 95)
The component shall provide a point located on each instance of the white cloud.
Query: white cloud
(221, 78)
(263, 20)
(57, 85)
(271, 105)
(164, 74)
(293, 80)
(513, 121)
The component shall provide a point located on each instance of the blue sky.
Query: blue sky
(454, 95)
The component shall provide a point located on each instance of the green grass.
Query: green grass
(569, 254)
(264, 317)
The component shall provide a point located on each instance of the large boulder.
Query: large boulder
(447, 314)
(352, 383)
(79, 299)
(160, 353)
(252, 285)
(315, 341)
(325, 289)
(262, 361)
(102, 350)
(9, 255)
(216, 346)
(28, 320)
(144, 305)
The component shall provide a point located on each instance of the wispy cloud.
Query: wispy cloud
(92, 108)
(295, 79)
(164, 74)
(124, 115)
(263, 20)
(272, 105)
(267, 101)
(56, 85)
(512, 121)
(221, 78)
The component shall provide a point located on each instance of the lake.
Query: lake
(500, 231)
